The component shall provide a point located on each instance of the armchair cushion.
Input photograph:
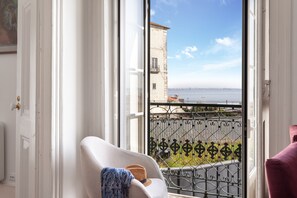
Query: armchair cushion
(281, 172)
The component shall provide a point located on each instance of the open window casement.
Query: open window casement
(132, 71)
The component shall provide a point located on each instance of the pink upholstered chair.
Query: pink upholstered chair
(281, 170)
(293, 133)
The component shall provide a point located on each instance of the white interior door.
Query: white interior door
(26, 100)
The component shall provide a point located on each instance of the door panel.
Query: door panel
(26, 100)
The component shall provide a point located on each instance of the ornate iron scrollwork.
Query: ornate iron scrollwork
(175, 146)
(212, 150)
(226, 151)
(187, 147)
(198, 148)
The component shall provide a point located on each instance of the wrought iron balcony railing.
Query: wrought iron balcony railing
(155, 69)
(198, 147)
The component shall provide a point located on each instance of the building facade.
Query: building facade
(158, 63)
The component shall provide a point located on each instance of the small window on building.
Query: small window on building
(154, 86)
(155, 63)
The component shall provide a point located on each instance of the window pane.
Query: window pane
(252, 68)
(132, 74)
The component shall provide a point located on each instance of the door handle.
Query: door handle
(16, 106)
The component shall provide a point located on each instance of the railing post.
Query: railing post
(218, 183)
(205, 194)
(178, 181)
(228, 182)
(238, 179)
(193, 182)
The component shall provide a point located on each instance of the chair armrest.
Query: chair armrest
(293, 133)
(137, 189)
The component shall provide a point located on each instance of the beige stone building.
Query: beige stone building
(158, 65)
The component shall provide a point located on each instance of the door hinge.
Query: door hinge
(266, 91)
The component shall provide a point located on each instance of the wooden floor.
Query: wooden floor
(7, 191)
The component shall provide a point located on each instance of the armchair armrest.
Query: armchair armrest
(293, 133)
(137, 189)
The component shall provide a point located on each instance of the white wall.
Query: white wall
(158, 49)
(282, 73)
(7, 96)
(294, 62)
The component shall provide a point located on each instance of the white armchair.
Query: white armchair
(97, 154)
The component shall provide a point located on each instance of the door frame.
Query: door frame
(56, 96)
(244, 95)
(43, 146)
(260, 61)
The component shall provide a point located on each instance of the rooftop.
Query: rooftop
(159, 26)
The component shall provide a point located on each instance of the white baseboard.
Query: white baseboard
(8, 183)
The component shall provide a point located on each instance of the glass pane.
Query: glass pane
(251, 44)
(251, 91)
(132, 74)
(252, 6)
(251, 119)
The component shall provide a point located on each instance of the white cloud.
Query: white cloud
(224, 2)
(226, 41)
(153, 12)
(222, 65)
(168, 22)
(173, 3)
(188, 51)
(177, 56)
(227, 44)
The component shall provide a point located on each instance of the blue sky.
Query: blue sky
(204, 41)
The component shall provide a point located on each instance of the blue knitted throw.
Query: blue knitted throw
(115, 182)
